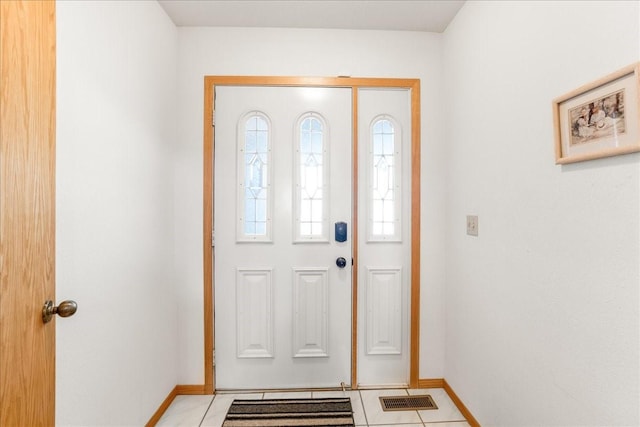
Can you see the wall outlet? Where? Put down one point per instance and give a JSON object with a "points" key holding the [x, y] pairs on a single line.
{"points": [[472, 225]]}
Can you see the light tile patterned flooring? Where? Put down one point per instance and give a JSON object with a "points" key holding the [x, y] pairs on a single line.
{"points": [[209, 411]]}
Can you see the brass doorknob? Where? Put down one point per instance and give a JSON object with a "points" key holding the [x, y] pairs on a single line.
{"points": [[65, 309]]}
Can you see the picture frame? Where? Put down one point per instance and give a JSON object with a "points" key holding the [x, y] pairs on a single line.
{"points": [[599, 119]]}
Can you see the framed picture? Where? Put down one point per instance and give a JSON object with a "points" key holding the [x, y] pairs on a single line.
{"points": [[599, 119]]}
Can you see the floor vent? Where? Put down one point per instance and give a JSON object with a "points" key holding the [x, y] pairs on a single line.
{"points": [[407, 403]]}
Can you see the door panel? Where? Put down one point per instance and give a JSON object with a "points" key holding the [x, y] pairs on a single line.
{"points": [[27, 212], [384, 236], [282, 305]]}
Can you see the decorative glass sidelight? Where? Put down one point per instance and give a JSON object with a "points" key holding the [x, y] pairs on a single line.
{"points": [[254, 178], [311, 179], [385, 178]]}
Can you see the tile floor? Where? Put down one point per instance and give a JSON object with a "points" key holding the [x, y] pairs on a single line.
{"points": [[209, 411]]}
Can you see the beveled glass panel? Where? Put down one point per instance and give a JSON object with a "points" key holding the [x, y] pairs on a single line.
{"points": [[383, 172], [254, 149], [311, 170]]}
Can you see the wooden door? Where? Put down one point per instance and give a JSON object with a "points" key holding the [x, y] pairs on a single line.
{"points": [[27, 212]]}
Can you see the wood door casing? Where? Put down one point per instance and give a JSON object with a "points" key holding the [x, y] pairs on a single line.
{"points": [[27, 211], [210, 83]]}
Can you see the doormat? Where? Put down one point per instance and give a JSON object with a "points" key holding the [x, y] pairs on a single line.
{"points": [[290, 412]]}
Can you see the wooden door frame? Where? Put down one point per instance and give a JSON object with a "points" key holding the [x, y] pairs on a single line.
{"points": [[210, 82]]}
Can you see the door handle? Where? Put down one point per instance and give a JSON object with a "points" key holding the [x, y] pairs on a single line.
{"points": [[65, 309], [341, 262]]}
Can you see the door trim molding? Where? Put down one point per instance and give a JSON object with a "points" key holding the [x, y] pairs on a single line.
{"points": [[210, 82]]}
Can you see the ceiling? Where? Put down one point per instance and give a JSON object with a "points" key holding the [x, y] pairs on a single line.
{"points": [[400, 15]]}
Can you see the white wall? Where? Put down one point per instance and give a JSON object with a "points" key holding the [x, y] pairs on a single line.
{"points": [[116, 87], [541, 308], [229, 51], [542, 324]]}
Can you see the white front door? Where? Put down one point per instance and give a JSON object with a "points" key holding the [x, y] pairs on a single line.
{"points": [[282, 182]]}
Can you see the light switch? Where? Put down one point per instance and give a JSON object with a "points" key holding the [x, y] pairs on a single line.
{"points": [[472, 225]]}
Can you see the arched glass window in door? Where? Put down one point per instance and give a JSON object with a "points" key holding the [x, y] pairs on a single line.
{"points": [[311, 179], [254, 178], [385, 180]]}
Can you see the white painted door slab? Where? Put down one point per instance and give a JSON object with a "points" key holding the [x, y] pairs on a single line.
{"points": [[384, 246], [282, 180]]}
